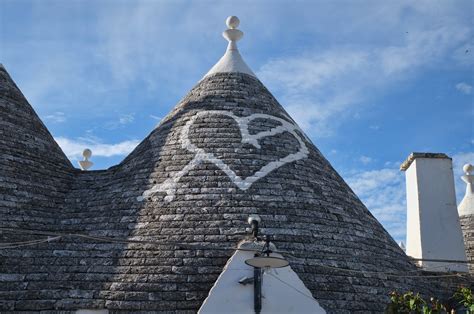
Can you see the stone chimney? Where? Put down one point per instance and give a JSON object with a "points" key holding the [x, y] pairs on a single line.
{"points": [[433, 228], [466, 215]]}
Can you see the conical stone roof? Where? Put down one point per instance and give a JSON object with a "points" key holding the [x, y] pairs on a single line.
{"points": [[226, 151], [32, 166]]}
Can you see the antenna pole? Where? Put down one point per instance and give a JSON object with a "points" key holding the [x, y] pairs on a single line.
{"points": [[257, 289]]}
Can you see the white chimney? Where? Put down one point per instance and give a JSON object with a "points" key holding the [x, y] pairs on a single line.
{"points": [[433, 228]]}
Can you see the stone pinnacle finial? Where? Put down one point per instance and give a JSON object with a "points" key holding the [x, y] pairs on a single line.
{"points": [[232, 22], [231, 61], [467, 169], [86, 163], [466, 207], [232, 34]]}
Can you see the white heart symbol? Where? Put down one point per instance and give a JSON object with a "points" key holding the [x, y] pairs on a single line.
{"points": [[170, 185]]}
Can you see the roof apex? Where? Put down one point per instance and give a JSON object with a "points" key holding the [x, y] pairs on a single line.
{"points": [[231, 61]]}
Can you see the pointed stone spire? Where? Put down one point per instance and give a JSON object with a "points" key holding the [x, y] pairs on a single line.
{"points": [[466, 207], [232, 61], [22, 130]]}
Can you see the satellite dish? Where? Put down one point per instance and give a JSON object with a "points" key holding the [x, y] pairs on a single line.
{"points": [[267, 262]]}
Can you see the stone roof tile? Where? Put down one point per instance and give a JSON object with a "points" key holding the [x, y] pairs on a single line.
{"points": [[227, 150]]}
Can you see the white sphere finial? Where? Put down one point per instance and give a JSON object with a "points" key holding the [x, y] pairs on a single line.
{"points": [[467, 169], [86, 163], [232, 34], [87, 153], [232, 22]]}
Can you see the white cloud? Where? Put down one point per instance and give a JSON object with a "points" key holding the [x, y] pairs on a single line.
{"points": [[320, 88], [367, 181], [315, 88], [73, 148], [365, 160], [164, 45], [422, 47], [158, 119], [383, 192], [122, 120], [464, 88], [126, 118], [57, 117], [155, 47]]}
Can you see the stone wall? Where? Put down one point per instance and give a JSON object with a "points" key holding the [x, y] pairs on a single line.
{"points": [[467, 226]]}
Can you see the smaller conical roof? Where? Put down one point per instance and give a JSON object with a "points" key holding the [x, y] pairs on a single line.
{"points": [[34, 172], [22, 130]]}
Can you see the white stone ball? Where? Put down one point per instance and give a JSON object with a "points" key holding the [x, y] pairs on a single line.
{"points": [[232, 22], [467, 168], [87, 153]]}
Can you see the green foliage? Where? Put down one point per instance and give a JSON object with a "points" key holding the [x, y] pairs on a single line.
{"points": [[464, 296], [413, 303]]}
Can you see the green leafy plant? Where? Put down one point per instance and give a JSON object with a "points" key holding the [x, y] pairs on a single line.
{"points": [[464, 296], [407, 303], [412, 303], [436, 306]]}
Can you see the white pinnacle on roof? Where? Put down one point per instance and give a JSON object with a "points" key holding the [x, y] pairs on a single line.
{"points": [[231, 61], [466, 207], [86, 163]]}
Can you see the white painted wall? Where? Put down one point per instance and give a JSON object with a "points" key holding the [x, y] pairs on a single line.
{"points": [[229, 296], [413, 242], [433, 228]]}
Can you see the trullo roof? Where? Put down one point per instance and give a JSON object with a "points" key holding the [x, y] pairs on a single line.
{"points": [[154, 232]]}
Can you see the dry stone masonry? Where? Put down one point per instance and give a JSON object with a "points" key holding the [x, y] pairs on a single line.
{"points": [[467, 225], [226, 151]]}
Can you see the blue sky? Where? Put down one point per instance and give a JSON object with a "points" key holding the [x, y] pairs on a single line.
{"points": [[369, 81]]}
